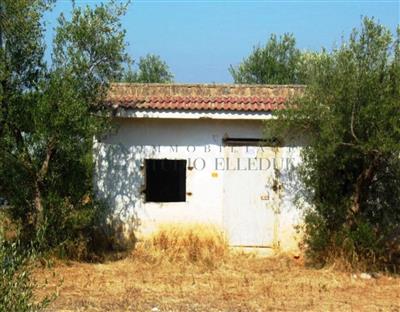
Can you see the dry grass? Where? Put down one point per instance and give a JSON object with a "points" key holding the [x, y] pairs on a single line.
{"points": [[172, 272], [192, 243]]}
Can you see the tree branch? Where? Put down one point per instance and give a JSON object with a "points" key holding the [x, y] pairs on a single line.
{"points": [[25, 164], [352, 123], [45, 165]]}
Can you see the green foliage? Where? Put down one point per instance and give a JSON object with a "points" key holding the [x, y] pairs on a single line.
{"points": [[150, 69], [16, 283], [49, 116], [351, 167], [278, 62]]}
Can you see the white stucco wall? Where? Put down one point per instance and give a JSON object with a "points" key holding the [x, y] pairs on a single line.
{"points": [[120, 171]]}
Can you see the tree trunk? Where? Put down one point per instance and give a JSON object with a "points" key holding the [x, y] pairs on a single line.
{"points": [[38, 217], [364, 180]]}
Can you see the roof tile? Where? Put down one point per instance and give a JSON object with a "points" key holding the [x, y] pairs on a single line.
{"points": [[200, 97]]}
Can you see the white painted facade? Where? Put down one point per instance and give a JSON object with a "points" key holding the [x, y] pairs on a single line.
{"points": [[250, 199]]}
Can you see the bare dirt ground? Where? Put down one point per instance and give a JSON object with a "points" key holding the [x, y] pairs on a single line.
{"points": [[239, 283]]}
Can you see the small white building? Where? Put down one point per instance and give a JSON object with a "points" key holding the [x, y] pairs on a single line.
{"points": [[198, 154]]}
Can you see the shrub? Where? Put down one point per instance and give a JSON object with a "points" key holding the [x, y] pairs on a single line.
{"points": [[16, 284], [86, 233]]}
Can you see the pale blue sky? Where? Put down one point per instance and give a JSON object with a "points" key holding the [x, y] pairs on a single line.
{"points": [[200, 39]]}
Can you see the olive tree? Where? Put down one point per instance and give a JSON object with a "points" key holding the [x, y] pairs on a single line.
{"points": [[278, 62], [351, 167], [50, 114], [150, 69]]}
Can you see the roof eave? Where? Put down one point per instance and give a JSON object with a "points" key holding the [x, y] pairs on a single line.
{"points": [[192, 114]]}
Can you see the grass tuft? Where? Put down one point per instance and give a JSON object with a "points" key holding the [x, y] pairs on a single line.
{"points": [[194, 243]]}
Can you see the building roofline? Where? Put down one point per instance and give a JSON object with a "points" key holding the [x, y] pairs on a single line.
{"points": [[239, 97], [210, 85]]}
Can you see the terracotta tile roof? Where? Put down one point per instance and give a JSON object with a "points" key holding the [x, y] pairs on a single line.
{"points": [[261, 98]]}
